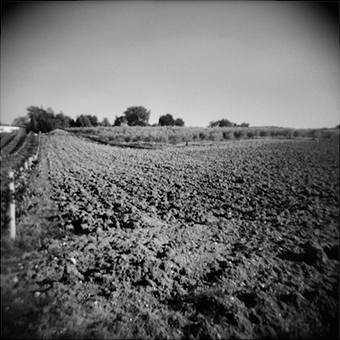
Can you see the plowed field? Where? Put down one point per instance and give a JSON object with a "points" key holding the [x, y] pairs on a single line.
{"points": [[229, 240]]}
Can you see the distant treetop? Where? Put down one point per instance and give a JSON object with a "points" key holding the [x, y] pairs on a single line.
{"points": [[168, 120], [137, 116], [226, 123]]}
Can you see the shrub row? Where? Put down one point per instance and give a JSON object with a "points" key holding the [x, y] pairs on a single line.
{"points": [[174, 135]]}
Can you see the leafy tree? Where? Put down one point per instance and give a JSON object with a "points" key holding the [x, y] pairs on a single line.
{"points": [[120, 121], [93, 120], [86, 121], [166, 120], [105, 122], [83, 121], [244, 125], [33, 123], [137, 115], [41, 120], [46, 121], [222, 123], [33, 113], [63, 121], [179, 122], [73, 123]]}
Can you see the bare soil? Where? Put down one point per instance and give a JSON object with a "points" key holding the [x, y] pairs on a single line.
{"points": [[234, 240]]}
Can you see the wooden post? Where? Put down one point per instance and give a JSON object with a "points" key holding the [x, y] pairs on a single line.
{"points": [[11, 205]]}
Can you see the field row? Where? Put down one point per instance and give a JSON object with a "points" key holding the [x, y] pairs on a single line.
{"points": [[12, 141], [16, 152]]}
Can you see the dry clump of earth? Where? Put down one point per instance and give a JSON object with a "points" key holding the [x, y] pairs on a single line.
{"points": [[232, 240]]}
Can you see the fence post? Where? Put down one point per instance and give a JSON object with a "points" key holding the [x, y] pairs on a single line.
{"points": [[11, 205], [36, 156]]}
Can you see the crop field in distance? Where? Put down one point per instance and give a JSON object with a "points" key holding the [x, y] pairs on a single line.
{"points": [[160, 137], [201, 234]]}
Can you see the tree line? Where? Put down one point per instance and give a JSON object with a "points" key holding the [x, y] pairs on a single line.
{"points": [[40, 120]]}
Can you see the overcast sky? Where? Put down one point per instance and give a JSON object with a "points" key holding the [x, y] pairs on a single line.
{"points": [[265, 63]]}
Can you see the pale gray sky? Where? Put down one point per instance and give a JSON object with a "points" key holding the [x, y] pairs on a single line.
{"points": [[265, 63]]}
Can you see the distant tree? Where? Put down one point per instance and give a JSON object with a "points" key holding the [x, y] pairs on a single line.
{"points": [[119, 121], [41, 120], [225, 122], [33, 114], [93, 120], [46, 121], [83, 121], [244, 125], [166, 120], [73, 123], [221, 123], [137, 115], [34, 124], [179, 122], [105, 122], [62, 121]]}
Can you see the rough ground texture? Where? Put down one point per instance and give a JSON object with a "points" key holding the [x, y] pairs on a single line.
{"points": [[234, 240]]}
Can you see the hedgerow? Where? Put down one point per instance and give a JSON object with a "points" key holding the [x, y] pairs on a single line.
{"points": [[177, 134]]}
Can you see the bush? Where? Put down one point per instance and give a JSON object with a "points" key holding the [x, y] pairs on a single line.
{"points": [[250, 134], [137, 138], [264, 133], [289, 133], [195, 136], [228, 135], [272, 133], [298, 133], [164, 139], [202, 135], [284, 133], [174, 139], [215, 135], [239, 134], [330, 134]]}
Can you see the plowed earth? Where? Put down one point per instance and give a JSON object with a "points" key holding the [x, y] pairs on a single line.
{"points": [[234, 240]]}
